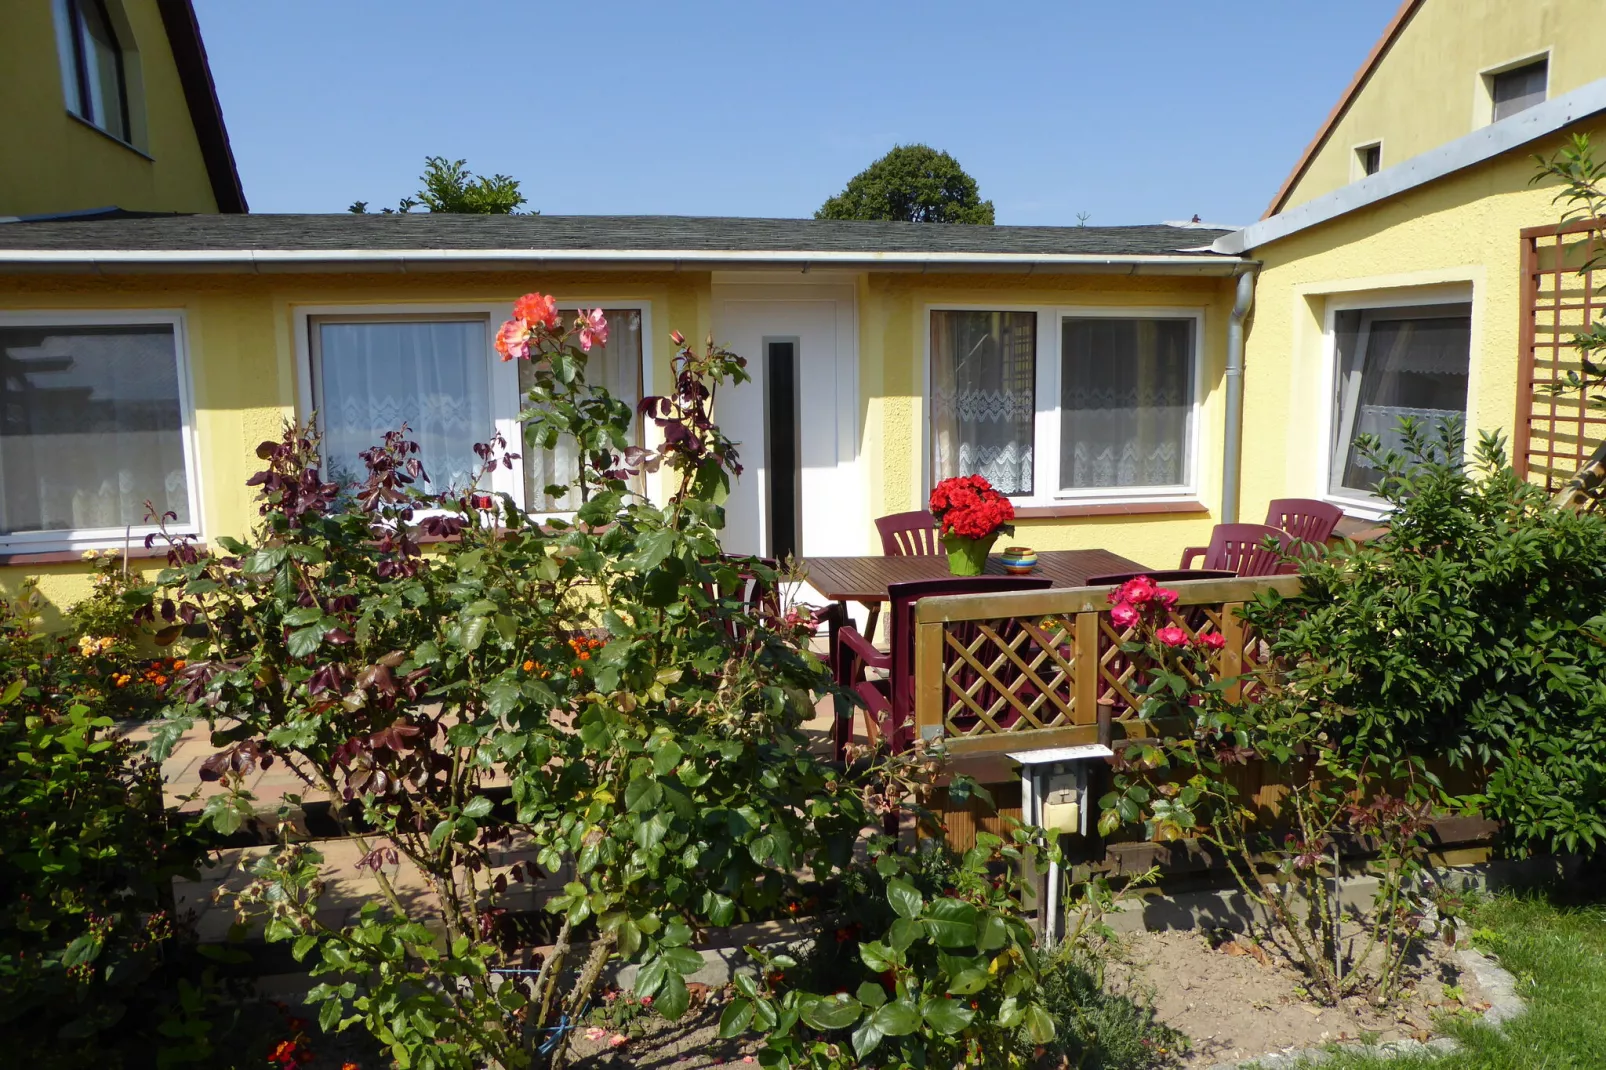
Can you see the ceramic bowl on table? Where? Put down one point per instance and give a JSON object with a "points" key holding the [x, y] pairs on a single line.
{"points": [[1018, 560]]}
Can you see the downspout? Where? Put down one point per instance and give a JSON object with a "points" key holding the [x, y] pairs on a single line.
{"points": [[1232, 453]]}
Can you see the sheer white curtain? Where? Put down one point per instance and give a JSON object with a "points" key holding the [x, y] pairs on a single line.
{"points": [[432, 375], [983, 396], [1126, 397], [616, 367], [90, 427], [1395, 363]]}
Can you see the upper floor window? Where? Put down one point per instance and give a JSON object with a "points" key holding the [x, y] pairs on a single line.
{"points": [[1368, 159], [92, 73], [1518, 89], [93, 430], [1097, 405], [1394, 363]]}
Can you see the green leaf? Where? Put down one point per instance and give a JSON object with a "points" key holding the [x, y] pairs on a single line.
{"points": [[651, 549], [871, 994], [472, 634], [477, 807], [993, 933], [735, 1018], [303, 944], [305, 641], [666, 758], [672, 998], [832, 1012], [952, 923], [905, 900], [896, 1019], [876, 956], [13, 689], [1009, 1013], [1038, 1023], [904, 932], [946, 1016], [641, 794], [683, 959], [966, 982], [866, 1038], [651, 978], [329, 1015]]}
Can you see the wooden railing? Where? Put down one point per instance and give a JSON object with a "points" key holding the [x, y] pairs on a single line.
{"points": [[1033, 669]]}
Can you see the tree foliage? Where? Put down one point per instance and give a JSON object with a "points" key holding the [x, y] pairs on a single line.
{"points": [[449, 186], [912, 184]]}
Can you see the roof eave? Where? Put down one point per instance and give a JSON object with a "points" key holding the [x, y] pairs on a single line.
{"points": [[106, 261], [200, 94], [1481, 145]]}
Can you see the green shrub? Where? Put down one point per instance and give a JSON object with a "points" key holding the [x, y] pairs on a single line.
{"points": [[88, 851], [1473, 632]]}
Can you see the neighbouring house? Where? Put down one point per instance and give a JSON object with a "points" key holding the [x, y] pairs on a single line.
{"points": [[1410, 267], [110, 103], [1100, 375]]}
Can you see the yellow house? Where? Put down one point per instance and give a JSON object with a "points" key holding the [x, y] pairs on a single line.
{"points": [[1410, 267], [110, 104], [1081, 369]]}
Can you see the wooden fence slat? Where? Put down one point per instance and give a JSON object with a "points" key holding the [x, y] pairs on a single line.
{"points": [[928, 682], [1087, 668]]}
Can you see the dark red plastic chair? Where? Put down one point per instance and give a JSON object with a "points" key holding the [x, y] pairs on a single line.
{"points": [[1306, 519], [912, 534], [1173, 575], [1242, 549], [889, 702]]}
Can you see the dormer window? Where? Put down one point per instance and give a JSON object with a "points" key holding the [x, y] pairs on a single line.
{"points": [[92, 71]]}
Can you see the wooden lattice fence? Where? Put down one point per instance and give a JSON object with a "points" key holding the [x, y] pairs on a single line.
{"points": [[1555, 432], [1036, 669]]}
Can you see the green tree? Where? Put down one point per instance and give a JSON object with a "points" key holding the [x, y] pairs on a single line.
{"points": [[449, 186], [914, 184]]}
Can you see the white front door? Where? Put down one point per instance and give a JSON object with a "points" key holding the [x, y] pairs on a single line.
{"points": [[797, 421]]}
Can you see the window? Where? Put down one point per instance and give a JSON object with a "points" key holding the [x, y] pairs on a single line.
{"points": [[437, 372], [373, 375], [1126, 402], [616, 367], [1394, 363], [92, 74], [983, 376], [1519, 88], [1102, 408], [1369, 159], [92, 431]]}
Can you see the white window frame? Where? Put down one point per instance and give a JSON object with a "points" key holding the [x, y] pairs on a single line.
{"points": [[1370, 507], [502, 376], [132, 535], [1046, 488]]}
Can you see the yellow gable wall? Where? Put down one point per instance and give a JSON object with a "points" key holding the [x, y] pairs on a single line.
{"points": [[242, 355], [53, 162], [1428, 90], [1460, 230]]}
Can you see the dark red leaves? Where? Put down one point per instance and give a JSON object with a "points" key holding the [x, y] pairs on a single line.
{"points": [[241, 759]]}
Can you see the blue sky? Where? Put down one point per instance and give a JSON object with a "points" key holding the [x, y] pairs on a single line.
{"points": [[1131, 111]]}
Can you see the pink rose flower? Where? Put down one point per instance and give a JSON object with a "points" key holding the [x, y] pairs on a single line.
{"points": [[1165, 596], [1213, 640], [677, 338], [596, 1032], [1171, 635], [1124, 614], [537, 309], [593, 329], [513, 340], [618, 1040], [1137, 590]]}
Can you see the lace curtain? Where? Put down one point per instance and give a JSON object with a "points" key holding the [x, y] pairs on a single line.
{"points": [[90, 427], [432, 375], [1126, 396], [616, 367], [1393, 364], [983, 396]]}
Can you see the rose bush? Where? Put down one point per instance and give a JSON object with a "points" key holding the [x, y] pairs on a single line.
{"points": [[644, 714]]}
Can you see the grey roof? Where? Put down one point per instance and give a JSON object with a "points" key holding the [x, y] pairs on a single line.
{"points": [[312, 234]]}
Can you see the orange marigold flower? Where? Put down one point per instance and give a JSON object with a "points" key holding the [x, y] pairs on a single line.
{"points": [[178, 663], [529, 666], [585, 655]]}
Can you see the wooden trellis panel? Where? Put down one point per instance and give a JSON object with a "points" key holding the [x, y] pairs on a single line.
{"points": [[1045, 668], [1554, 433]]}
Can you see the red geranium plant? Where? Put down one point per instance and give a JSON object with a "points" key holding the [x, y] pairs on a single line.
{"points": [[969, 506]]}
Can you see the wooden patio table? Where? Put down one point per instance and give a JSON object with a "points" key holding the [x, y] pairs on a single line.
{"points": [[865, 579]]}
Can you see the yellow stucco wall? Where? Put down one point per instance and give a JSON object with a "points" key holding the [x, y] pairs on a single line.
{"points": [[1462, 230], [51, 161], [1428, 90], [243, 359]]}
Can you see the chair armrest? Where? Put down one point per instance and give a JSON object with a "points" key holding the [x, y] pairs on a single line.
{"points": [[863, 649], [1189, 554]]}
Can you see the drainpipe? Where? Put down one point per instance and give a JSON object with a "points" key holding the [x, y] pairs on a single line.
{"points": [[1243, 300]]}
